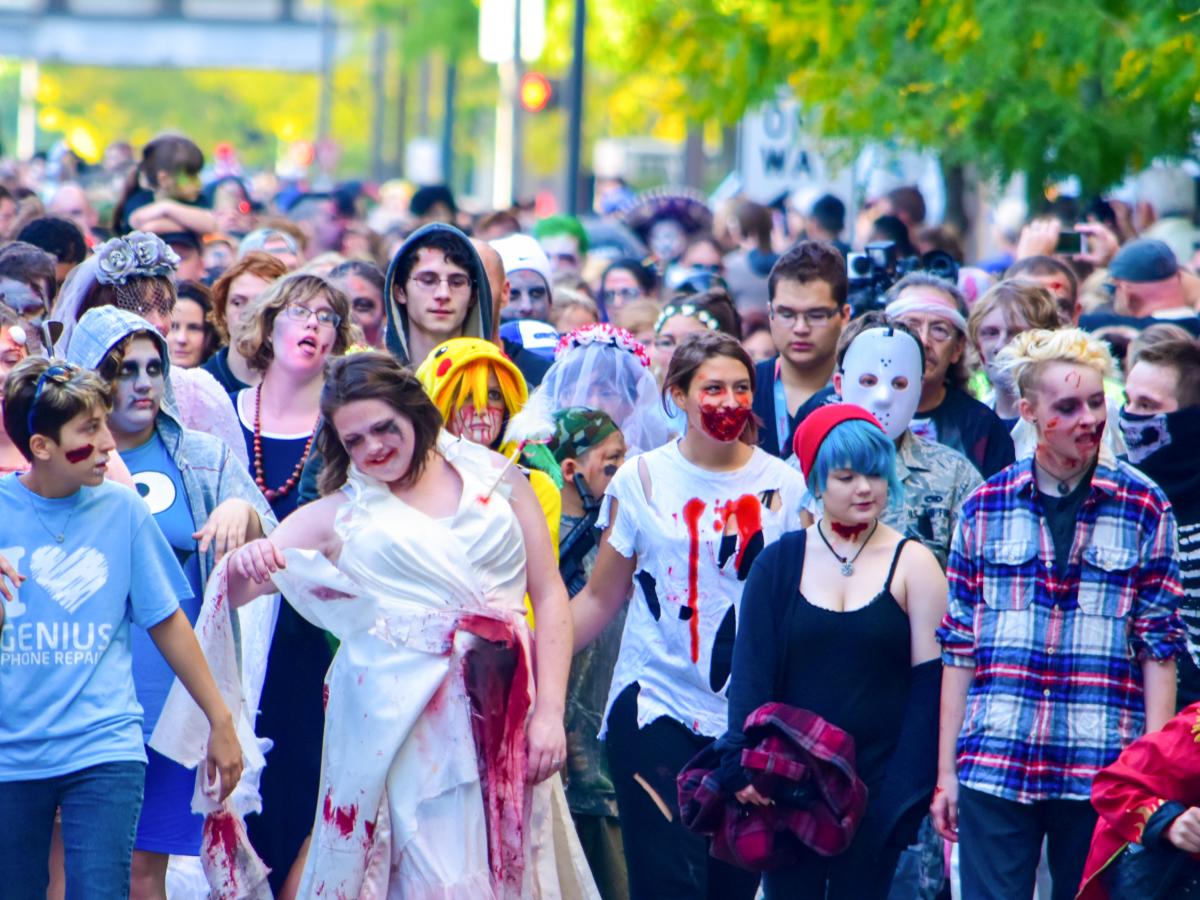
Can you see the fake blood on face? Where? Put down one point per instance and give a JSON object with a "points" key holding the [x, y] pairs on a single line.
{"points": [[79, 454], [692, 511], [725, 423]]}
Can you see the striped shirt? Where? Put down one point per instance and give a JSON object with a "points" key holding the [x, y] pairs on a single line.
{"points": [[1057, 689]]}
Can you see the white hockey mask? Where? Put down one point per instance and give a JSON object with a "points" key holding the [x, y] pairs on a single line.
{"points": [[881, 372]]}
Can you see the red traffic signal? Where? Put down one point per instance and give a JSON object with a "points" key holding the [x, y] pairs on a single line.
{"points": [[535, 92]]}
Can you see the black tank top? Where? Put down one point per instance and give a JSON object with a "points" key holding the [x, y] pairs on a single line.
{"points": [[852, 669]]}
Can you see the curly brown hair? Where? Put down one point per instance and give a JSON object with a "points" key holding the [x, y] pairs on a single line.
{"points": [[257, 263], [253, 336]]}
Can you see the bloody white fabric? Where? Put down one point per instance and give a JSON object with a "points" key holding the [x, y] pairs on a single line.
{"points": [[423, 791], [233, 869]]}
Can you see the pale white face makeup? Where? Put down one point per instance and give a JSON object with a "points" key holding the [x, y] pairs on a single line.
{"points": [[881, 372]]}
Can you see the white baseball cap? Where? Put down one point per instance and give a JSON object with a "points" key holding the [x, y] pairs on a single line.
{"points": [[520, 251]]}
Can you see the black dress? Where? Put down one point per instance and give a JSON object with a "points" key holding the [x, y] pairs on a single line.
{"points": [[851, 668]]}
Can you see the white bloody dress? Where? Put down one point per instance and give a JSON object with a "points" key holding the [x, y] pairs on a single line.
{"points": [[428, 612]]}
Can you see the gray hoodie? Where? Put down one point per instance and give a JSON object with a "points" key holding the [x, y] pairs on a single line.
{"points": [[210, 472], [479, 317]]}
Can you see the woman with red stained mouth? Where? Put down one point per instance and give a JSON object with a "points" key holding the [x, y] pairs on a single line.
{"points": [[840, 619], [685, 522], [287, 334]]}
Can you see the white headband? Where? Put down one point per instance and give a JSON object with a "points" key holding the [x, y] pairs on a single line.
{"points": [[905, 305]]}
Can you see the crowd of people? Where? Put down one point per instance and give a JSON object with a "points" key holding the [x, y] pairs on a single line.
{"points": [[355, 545]]}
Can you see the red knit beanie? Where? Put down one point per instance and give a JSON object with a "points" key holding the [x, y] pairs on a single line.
{"points": [[816, 427]]}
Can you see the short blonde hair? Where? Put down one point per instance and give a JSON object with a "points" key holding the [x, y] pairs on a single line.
{"points": [[1026, 354], [253, 336]]}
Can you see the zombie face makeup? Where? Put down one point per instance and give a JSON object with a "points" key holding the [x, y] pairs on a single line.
{"points": [[1067, 407], [881, 372], [480, 426], [718, 399], [299, 339], [378, 440], [138, 389], [599, 464]]}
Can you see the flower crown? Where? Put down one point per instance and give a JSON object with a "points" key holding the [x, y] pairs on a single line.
{"points": [[136, 255], [603, 334], [692, 311]]}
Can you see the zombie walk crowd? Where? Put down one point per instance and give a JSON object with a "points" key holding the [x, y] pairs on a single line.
{"points": [[353, 545]]}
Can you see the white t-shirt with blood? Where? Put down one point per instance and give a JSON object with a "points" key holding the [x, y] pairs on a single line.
{"points": [[694, 541]]}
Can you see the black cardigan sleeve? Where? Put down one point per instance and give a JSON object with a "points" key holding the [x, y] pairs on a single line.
{"points": [[760, 645]]}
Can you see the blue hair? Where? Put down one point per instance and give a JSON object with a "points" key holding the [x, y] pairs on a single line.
{"points": [[860, 447]]}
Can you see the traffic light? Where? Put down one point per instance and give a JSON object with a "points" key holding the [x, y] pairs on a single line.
{"points": [[537, 92]]}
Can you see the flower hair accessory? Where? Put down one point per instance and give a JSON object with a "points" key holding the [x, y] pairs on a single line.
{"points": [[602, 333], [136, 255], [692, 311]]}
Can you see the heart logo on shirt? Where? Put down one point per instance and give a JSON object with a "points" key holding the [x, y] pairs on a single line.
{"points": [[70, 580]]}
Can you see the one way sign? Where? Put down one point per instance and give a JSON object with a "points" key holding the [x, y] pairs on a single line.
{"points": [[772, 152]]}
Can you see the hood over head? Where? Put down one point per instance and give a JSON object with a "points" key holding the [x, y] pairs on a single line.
{"points": [[478, 323], [101, 329]]}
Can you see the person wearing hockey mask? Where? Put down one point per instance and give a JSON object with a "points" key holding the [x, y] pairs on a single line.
{"points": [[879, 367]]}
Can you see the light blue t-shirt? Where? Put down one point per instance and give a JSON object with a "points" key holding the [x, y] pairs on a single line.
{"points": [[67, 699], [160, 485]]}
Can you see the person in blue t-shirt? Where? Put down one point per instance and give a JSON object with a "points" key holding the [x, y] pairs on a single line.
{"points": [[205, 503], [84, 559]]}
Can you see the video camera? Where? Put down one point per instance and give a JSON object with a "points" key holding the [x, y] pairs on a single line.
{"points": [[878, 267]]}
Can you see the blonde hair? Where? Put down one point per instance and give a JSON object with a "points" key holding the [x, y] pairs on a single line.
{"points": [[470, 383], [1026, 354], [1028, 298], [253, 337]]}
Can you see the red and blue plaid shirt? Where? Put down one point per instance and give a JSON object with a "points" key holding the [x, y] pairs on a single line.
{"points": [[1057, 691]]}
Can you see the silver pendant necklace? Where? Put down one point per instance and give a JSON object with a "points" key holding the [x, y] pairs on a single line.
{"points": [[60, 536], [847, 561]]}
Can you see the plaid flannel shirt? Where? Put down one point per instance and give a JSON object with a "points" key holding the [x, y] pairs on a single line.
{"points": [[1057, 690]]}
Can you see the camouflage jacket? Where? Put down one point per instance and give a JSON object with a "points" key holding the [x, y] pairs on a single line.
{"points": [[936, 481]]}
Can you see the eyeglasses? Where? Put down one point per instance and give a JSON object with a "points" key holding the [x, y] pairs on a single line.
{"points": [[813, 318], [299, 313], [455, 281], [59, 374], [626, 294], [939, 332]]}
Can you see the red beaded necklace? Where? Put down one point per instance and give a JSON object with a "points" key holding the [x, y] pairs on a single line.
{"points": [[273, 494]]}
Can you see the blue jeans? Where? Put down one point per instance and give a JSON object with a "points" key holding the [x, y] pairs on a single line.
{"points": [[100, 807]]}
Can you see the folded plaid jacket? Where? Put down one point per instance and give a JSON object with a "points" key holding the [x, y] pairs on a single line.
{"points": [[788, 749]]}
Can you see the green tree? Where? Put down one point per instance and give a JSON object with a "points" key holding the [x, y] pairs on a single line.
{"points": [[1076, 87]]}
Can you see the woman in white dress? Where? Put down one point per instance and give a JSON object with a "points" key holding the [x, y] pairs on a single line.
{"points": [[418, 557]]}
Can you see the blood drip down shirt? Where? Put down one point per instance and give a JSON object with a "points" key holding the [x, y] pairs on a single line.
{"points": [[694, 539], [66, 685]]}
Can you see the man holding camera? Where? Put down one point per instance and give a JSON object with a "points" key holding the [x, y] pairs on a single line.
{"points": [[936, 311]]}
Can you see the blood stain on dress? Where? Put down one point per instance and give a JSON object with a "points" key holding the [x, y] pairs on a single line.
{"points": [[343, 818], [221, 842], [692, 511]]}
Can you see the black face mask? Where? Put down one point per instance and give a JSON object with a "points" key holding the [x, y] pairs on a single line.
{"points": [[1163, 446]]}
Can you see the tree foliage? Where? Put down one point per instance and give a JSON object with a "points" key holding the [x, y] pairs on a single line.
{"points": [[1075, 87]]}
